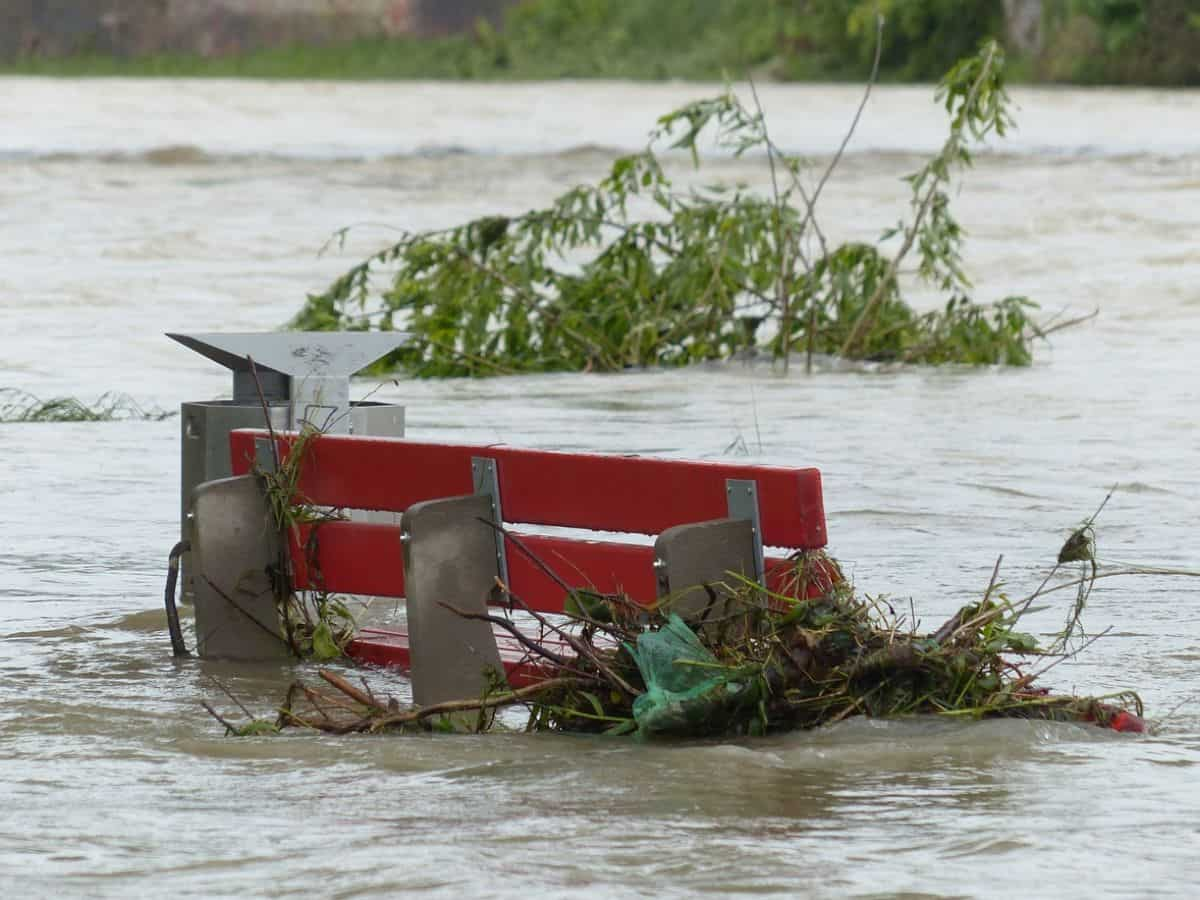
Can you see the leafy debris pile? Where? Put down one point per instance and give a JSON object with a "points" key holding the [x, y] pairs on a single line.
{"points": [[754, 662]]}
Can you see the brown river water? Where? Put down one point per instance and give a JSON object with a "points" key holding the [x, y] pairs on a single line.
{"points": [[131, 208]]}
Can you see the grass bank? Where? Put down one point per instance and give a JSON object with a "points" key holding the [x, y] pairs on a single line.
{"points": [[1082, 41]]}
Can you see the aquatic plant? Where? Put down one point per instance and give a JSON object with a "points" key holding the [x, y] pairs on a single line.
{"points": [[635, 271], [316, 624], [21, 406]]}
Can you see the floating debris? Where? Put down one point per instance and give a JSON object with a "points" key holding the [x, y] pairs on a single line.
{"points": [[21, 406], [771, 662]]}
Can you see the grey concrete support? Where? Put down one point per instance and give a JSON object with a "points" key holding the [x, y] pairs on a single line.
{"points": [[204, 451], [450, 558], [692, 563], [234, 543]]}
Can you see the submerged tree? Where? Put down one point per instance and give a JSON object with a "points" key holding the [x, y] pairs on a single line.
{"points": [[633, 271]]}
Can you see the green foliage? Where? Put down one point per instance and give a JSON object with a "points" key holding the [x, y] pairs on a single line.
{"points": [[923, 37], [318, 625], [255, 728], [663, 39], [1122, 41], [1122, 20], [634, 271], [538, 39], [810, 655], [324, 634], [1149, 41]]}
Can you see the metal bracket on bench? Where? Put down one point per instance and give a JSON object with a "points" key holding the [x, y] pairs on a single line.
{"points": [[264, 455], [742, 498], [487, 482]]}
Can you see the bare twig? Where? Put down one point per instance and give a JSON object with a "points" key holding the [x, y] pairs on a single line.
{"points": [[228, 693], [262, 399], [1069, 323], [571, 640], [224, 596], [936, 178], [347, 688], [987, 595], [229, 727], [810, 211], [1091, 520], [781, 293], [1116, 573], [490, 702], [1061, 657], [511, 627]]}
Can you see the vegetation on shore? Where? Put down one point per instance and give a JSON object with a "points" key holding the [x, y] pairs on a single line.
{"points": [[1083, 41], [636, 271]]}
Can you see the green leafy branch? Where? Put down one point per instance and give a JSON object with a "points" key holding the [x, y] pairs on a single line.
{"points": [[635, 271]]}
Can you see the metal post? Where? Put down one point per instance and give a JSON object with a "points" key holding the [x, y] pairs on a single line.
{"points": [[742, 497]]}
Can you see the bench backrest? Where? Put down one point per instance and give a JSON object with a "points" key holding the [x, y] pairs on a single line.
{"points": [[631, 494]]}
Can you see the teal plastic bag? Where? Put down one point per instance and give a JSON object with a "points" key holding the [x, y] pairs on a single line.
{"points": [[687, 688]]}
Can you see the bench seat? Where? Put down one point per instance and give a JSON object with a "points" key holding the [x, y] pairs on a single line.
{"points": [[388, 648]]}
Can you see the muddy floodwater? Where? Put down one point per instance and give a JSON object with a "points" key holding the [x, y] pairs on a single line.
{"points": [[131, 208]]}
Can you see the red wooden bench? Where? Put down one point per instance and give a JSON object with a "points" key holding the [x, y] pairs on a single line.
{"points": [[606, 493]]}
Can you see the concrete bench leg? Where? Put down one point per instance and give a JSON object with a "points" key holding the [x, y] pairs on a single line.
{"points": [[233, 545], [449, 558], [693, 561]]}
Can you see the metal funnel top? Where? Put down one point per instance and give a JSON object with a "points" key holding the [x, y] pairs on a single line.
{"points": [[297, 354]]}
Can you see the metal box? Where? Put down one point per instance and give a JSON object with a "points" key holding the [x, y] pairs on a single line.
{"points": [[302, 377]]}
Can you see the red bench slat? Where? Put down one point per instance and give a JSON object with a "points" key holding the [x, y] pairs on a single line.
{"points": [[364, 558], [605, 493], [351, 558], [390, 650], [587, 491]]}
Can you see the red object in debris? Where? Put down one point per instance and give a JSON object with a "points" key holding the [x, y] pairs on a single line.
{"points": [[1127, 722]]}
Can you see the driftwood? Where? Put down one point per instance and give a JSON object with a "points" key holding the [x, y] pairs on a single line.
{"points": [[354, 710]]}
